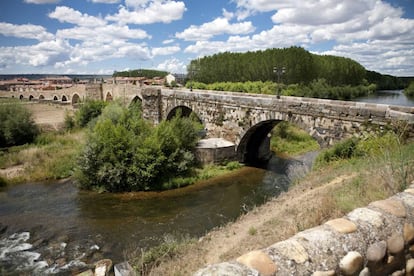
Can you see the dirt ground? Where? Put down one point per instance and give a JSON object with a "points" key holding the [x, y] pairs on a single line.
{"points": [[304, 206], [49, 115]]}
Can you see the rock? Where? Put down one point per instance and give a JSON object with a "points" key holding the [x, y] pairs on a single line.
{"points": [[342, 225], [60, 262], [398, 273], [86, 273], [410, 191], [351, 263], [408, 233], [226, 269], [259, 261], [391, 206], [124, 269], [409, 267], [292, 250], [102, 267], [324, 273], [376, 252], [365, 272], [395, 244], [367, 215]]}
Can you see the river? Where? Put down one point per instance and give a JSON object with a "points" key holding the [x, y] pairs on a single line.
{"points": [[54, 227], [49, 228]]}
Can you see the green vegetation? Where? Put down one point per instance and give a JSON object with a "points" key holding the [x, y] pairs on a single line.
{"points": [[409, 91], [141, 73], [290, 140], [301, 67], [88, 111], [17, 126], [50, 156], [316, 89], [125, 153]]}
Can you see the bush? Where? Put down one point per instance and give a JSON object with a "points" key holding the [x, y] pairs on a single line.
{"points": [[342, 150], [88, 111], [124, 153], [409, 91], [16, 125]]}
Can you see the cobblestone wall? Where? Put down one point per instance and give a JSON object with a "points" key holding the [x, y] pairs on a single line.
{"points": [[374, 240]]}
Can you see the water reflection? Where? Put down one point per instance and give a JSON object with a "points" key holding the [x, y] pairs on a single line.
{"points": [[95, 225], [390, 97]]}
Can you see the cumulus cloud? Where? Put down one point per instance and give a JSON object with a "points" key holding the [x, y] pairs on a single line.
{"points": [[165, 51], [25, 31], [69, 15], [148, 12], [216, 27], [172, 65]]}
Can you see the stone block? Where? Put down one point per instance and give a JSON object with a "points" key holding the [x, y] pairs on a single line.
{"points": [[324, 273], [292, 250], [376, 252], [351, 263], [342, 225], [409, 267], [259, 261], [367, 215], [395, 244], [408, 233], [391, 206]]}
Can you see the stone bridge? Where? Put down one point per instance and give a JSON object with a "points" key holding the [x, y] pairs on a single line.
{"points": [[247, 119], [244, 119]]}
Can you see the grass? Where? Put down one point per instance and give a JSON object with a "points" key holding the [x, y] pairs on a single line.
{"points": [[51, 156], [291, 140], [329, 191]]}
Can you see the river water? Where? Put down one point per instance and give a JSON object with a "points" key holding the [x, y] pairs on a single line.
{"points": [[54, 228]]}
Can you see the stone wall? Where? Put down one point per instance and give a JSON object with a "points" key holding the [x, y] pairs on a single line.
{"points": [[374, 240]]}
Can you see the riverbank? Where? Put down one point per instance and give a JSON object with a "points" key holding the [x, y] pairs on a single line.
{"points": [[322, 195]]}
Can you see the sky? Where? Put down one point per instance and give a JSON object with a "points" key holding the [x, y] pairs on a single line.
{"points": [[103, 36]]}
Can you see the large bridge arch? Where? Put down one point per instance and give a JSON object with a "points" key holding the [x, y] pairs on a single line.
{"points": [[184, 111]]}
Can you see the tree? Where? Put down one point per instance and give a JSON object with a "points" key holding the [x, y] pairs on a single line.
{"points": [[17, 126]]}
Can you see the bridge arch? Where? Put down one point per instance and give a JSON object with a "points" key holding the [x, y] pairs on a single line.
{"points": [[31, 97], [55, 98], [41, 97], [75, 99], [21, 97], [64, 99], [135, 100], [184, 111], [108, 97]]}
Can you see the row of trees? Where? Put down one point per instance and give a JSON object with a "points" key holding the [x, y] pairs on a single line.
{"points": [[147, 73], [123, 152], [300, 67]]}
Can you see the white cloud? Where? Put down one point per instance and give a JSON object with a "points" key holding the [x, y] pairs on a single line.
{"points": [[69, 15], [216, 27], [102, 34], [150, 12], [172, 65], [25, 31], [41, 54], [165, 51], [41, 1], [168, 41]]}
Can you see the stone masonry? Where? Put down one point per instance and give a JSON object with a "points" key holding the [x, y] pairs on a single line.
{"points": [[375, 240]]}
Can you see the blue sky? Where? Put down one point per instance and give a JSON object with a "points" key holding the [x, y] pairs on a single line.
{"points": [[101, 36]]}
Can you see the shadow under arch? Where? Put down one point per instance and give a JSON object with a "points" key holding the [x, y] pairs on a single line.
{"points": [[41, 98], [183, 111], [75, 99], [64, 99], [55, 98], [108, 97], [31, 97], [254, 147]]}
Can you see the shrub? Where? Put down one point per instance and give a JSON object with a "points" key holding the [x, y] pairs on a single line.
{"points": [[16, 125], [342, 150], [409, 91], [124, 153], [88, 111]]}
